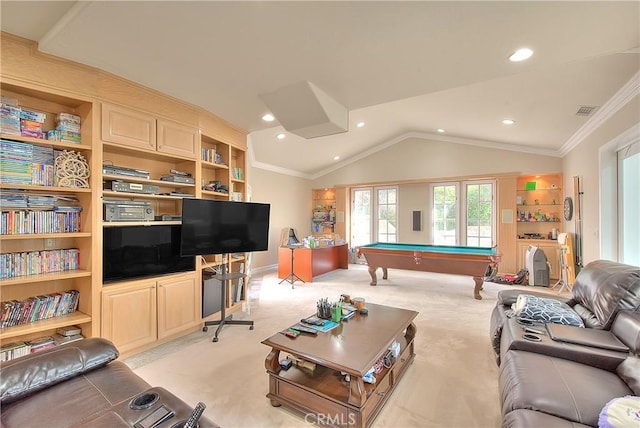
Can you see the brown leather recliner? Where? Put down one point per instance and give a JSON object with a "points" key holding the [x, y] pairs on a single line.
{"points": [[602, 288], [566, 384], [80, 384]]}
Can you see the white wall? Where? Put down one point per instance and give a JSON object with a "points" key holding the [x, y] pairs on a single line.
{"points": [[584, 161]]}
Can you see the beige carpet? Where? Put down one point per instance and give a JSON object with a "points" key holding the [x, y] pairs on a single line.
{"points": [[453, 381]]}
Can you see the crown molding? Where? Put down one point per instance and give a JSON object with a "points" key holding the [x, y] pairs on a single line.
{"points": [[625, 94], [48, 39]]}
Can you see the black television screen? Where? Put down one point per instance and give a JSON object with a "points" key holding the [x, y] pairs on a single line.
{"points": [[138, 251], [219, 227]]}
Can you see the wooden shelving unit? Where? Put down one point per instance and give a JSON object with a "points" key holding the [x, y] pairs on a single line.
{"points": [[52, 102], [123, 124], [539, 210], [323, 205]]}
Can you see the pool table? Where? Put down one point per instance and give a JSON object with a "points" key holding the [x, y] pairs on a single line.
{"points": [[472, 261]]}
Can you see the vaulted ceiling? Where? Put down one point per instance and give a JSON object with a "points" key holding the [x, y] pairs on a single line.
{"points": [[402, 68]]}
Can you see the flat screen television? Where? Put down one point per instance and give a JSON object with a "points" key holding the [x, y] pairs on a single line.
{"points": [[130, 252], [219, 227]]}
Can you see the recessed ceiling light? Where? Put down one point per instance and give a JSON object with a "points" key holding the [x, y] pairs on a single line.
{"points": [[508, 121], [336, 158], [360, 124], [268, 117], [440, 130], [281, 136], [521, 54]]}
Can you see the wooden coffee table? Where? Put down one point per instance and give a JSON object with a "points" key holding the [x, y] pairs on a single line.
{"points": [[323, 396]]}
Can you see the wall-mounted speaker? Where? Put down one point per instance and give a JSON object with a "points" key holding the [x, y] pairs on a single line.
{"points": [[417, 220]]}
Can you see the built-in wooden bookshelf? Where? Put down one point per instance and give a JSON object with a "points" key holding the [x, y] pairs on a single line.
{"points": [[51, 102], [129, 125]]}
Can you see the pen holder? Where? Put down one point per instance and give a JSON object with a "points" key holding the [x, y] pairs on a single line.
{"points": [[324, 312], [336, 313]]}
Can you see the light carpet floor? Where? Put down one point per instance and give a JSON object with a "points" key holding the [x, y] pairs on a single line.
{"points": [[453, 381]]}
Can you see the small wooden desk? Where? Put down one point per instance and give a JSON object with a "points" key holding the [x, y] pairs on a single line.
{"points": [[310, 262]]}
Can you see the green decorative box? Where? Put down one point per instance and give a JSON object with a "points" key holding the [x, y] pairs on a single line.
{"points": [[530, 185]]}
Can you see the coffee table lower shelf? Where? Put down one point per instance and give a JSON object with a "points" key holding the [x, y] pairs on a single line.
{"points": [[323, 397]]}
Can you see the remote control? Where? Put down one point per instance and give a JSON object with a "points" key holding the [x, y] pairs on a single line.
{"points": [[304, 329], [313, 321], [290, 334], [192, 422], [182, 173]]}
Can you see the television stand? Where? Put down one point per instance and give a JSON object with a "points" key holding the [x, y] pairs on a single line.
{"points": [[224, 319]]}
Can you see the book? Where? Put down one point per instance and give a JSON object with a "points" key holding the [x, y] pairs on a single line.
{"points": [[70, 330], [41, 343], [327, 326], [60, 339]]}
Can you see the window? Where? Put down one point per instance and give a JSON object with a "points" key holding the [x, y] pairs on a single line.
{"points": [[445, 214], [361, 217], [618, 160], [629, 204], [474, 228], [479, 214], [383, 225], [387, 204]]}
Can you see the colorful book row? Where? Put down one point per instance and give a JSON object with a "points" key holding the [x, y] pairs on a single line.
{"points": [[38, 262], [17, 312], [29, 222], [237, 173], [14, 350]]}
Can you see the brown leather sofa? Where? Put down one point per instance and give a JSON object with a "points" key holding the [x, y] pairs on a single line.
{"points": [[81, 384], [601, 289], [568, 385]]}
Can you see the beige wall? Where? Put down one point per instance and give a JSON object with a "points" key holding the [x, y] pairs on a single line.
{"points": [[584, 161], [290, 199], [417, 158], [412, 159], [420, 159], [413, 197]]}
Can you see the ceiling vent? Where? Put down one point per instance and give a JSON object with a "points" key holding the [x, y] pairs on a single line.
{"points": [[586, 110], [305, 110]]}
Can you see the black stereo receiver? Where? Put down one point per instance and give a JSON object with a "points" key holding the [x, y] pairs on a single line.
{"points": [[125, 186]]}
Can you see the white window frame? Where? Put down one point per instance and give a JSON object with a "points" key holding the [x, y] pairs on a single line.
{"points": [[376, 206], [625, 235], [608, 165], [456, 184], [463, 208]]}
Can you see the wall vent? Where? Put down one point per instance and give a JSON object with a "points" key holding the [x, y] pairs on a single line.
{"points": [[586, 110]]}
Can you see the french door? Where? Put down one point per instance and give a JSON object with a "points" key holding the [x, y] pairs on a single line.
{"points": [[629, 204], [361, 220], [374, 215]]}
